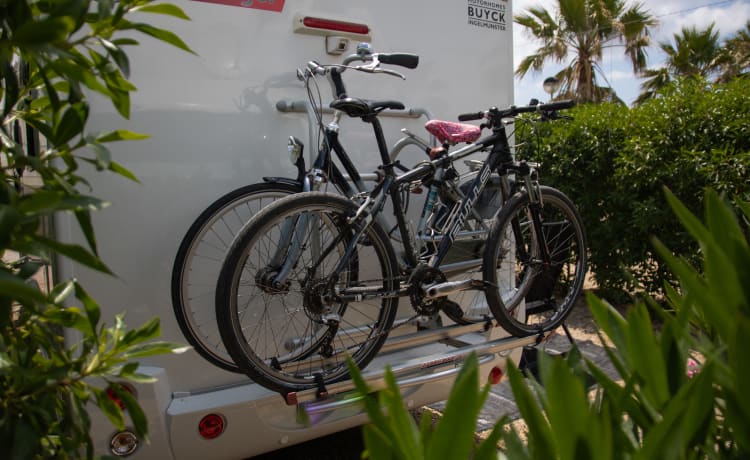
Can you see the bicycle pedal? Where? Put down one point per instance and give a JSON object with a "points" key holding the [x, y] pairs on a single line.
{"points": [[429, 322], [452, 309]]}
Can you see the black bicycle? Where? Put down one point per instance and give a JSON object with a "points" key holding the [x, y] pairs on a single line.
{"points": [[314, 278], [204, 246]]}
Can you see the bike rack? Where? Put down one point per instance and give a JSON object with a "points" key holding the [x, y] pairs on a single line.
{"points": [[316, 402]]}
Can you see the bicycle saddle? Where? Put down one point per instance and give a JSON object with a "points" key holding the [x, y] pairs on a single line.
{"points": [[361, 107], [448, 132]]}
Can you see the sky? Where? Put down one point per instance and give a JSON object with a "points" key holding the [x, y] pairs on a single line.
{"points": [[729, 17]]}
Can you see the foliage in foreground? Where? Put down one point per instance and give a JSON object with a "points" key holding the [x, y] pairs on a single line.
{"points": [[53, 53], [682, 390], [393, 434]]}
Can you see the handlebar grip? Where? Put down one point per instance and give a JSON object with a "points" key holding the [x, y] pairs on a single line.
{"points": [[471, 116], [410, 61], [559, 105]]}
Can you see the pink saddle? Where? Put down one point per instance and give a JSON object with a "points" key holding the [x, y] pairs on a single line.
{"points": [[448, 132]]}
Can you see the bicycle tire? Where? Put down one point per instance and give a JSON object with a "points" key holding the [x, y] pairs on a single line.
{"points": [[198, 261], [518, 278], [277, 334]]}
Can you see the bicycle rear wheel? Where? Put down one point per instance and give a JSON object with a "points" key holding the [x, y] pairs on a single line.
{"points": [[297, 334], [530, 295], [199, 259]]}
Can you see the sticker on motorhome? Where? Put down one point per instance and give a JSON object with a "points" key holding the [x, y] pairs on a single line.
{"points": [[487, 14], [268, 5]]}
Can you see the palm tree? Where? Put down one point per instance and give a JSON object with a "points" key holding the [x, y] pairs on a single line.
{"points": [[734, 59], [578, 32], [696, 54]]}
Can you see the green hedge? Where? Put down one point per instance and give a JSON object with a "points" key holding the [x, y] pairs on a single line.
{"points": [[613, 162]]}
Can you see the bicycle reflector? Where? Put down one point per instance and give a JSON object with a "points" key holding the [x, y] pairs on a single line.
{"points": [[211, 426]]}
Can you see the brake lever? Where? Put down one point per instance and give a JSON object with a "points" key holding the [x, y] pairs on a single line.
{"points": [[389, 72], [375, 69]]}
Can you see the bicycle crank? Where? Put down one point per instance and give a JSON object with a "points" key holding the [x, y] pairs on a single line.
{"points": [[449, 287]]}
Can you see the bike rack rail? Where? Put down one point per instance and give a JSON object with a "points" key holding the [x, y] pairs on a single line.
{"points": [[313, 403]]}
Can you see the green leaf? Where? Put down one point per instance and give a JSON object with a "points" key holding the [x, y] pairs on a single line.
{"points": [[48, 201], [140, 423], [540, 435], [84, 221], [120, 58], [372, 408], [50, 30], [16, 288], [121, 135], [74, 252], [154, 348], [454, 433], [122, 171], [102, 156], [90, 306], [109, 408], [147, 331], [25, 439], [487, 449], [69, 317], [120, 99], [649, 366], [61, 291], [129, 372], [71, 124], [79, 73], [9, 219], [377, 446], [163, 35], [566, 405], [736, 391], [164, 8], [125, 41], [405, 435], [10, 87], [680, 421]]}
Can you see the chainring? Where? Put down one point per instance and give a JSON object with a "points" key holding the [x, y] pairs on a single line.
{"points": [[425, 276]]}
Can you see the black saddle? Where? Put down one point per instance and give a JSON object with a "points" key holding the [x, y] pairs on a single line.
{"points": [[363, 108]]}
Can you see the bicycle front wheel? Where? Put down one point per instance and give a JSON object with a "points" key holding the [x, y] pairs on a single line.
{"points": [[532, 289], [199, 259], [284, 319]]}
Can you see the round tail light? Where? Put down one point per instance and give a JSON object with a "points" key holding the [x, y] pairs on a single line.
{"points": [[211, 426], [495, 376]]}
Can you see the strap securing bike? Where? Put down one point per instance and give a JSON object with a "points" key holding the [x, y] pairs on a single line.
{"points": [[321, 392]]}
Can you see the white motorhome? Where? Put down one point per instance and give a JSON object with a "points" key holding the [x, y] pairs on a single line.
{"points": [[219, 120]]}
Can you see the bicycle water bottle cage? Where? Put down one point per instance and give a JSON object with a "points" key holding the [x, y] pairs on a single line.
{"points": [[362, 108], [448, 132]]}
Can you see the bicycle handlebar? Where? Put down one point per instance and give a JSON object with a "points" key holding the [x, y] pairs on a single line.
{"points": [[410, 61], [513, 110]]}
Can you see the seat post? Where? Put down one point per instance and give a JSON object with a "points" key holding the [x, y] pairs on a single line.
{"points": [[382, 146]]}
